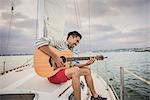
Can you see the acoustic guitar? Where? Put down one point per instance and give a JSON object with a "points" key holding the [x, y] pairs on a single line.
{"points": [[45, 66]]}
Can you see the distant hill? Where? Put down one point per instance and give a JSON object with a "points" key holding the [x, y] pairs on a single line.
{"points": [[14, 54], [145, 49]]}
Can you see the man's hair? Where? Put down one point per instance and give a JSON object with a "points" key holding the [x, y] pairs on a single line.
{"points": [[74, 33]]}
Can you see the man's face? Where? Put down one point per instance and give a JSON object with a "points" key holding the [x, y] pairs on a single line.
{"points": [[73, 41]]}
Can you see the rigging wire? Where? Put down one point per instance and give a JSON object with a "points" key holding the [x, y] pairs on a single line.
{"points": [[78, 21], [10, 26], [8, 35], [89, 22], [37, 22], [77, 14], [45, 21]]}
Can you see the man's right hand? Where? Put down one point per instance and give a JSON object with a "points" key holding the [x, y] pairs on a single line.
{"points": [[51, 53], [59, 62]]}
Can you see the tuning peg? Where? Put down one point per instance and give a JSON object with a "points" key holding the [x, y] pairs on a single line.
{"points": [[105, 57]]}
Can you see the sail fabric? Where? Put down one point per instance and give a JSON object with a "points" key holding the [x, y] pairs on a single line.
{"points": [[51, 18], [40, 19]]}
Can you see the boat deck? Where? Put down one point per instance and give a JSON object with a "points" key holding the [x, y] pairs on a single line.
{"points": [[26, 80]]}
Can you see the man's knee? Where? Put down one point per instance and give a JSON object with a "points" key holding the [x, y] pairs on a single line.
{"points": [[88, 70], [88, 67], [76, 70], [73, 71]]}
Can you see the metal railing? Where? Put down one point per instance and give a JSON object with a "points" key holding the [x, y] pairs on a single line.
{"points": [[122, 70], [121, 83], [4, 70]]}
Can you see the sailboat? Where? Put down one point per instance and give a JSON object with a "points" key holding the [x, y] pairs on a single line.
{"points": [[24, 83]]}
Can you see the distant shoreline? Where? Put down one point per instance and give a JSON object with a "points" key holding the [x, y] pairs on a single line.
{"points": [[145, 49], [14, 54], [92, 51]]}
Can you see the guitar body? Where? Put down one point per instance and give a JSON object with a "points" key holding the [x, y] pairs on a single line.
{"points": [[44, 65]]}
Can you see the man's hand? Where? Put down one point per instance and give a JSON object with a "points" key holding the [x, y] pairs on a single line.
{"points": [[59, 62], [91, 61]]}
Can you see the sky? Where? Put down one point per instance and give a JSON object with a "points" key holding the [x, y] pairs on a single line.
{"points": [[104, 24]]}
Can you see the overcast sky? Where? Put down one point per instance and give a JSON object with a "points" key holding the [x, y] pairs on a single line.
{"points": [[113, 24]]}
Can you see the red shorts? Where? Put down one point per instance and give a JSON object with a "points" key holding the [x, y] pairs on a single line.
{"points": [[59, 77]]}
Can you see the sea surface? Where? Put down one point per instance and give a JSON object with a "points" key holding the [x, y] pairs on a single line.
{"points": [[137, 62], [109, 69]]}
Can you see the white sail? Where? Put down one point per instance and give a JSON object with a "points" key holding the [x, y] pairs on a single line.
{"points": [[51, 18], [40, 19]]}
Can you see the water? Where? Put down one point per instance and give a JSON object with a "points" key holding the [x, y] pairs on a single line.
{"points": [[137, 62]]}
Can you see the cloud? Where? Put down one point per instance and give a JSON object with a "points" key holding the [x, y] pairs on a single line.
{"points": [[16, 41], [102, 28], [19, 20], [6, 4], [83, 8], [129, 12], [94, 8], [23, 26], [117, 39], [113, 24], [134, 6], [128, 5], [16, 16], [28, 24]]}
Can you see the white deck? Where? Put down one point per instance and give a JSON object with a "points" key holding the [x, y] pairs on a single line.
{"points": [[25, 80]]}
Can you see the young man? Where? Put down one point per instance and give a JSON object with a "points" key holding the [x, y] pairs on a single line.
{"points": [[73, 73]]}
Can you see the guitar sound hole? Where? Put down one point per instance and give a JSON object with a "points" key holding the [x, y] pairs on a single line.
{"points": [[63, 59], [53, 64], [50, 61]]}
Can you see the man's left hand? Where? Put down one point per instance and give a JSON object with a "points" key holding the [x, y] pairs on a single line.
{"points": [[91, 61]]}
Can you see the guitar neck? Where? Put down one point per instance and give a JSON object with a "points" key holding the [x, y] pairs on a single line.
{"points": [[78, 58]]}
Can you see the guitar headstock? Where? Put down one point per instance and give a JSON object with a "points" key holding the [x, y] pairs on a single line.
{"points": [[99, 57]]}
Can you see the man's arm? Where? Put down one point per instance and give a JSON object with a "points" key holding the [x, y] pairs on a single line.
{"points": [[55, 57], [44, 43], [48, 51], [91, 61]]}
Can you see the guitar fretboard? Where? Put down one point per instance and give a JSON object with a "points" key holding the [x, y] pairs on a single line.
{"points": [[78, 58]]}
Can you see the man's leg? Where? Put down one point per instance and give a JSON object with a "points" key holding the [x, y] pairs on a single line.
{"points": [[88, 78], [74, 73]]}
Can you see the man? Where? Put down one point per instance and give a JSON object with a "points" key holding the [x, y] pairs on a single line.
{"points": [[73, 73]]}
